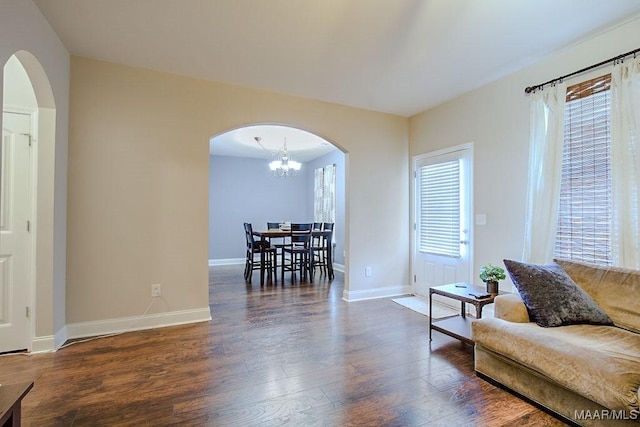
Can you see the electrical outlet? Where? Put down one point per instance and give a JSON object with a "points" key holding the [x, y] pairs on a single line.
{"points": [[367, 271], [156, 290]]}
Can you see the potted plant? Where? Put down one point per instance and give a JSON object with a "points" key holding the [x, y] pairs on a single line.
{"points": [[491, 275]]}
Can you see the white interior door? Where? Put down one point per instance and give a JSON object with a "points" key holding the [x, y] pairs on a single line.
{"points": [[443, 238], [14, 233]]}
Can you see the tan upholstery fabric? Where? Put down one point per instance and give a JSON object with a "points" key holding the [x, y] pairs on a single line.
{"points": [[616, 290], [543, 390], [511, 308], [601, 363]]}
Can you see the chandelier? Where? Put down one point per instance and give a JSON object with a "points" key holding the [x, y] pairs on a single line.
{"points": [[284, 166]]}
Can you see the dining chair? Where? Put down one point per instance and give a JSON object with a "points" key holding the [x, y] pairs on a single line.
{"points": [[315, 240], [255, 247], [299, 251], [320, 249]]}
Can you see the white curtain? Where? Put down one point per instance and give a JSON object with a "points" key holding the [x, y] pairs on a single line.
{"points": [[625, 163], [318, 202], [329, 185], [324, 206], [545, 170]]}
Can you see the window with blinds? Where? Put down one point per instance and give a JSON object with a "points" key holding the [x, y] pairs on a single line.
{"points": [[584, 214], [440, 209]]}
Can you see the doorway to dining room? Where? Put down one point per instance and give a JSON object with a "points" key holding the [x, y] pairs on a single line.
{"points": [[243, 187]]}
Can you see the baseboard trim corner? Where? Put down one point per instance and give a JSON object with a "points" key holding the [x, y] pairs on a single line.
{"points": [[43, 344]]}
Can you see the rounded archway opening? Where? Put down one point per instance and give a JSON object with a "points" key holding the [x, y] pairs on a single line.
{"points": [[28, 97], [243, 187]]}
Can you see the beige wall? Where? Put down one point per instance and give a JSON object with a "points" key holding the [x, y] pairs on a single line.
{"points": [[496, 118], [25, 33], [138, 184], [137, 206]]}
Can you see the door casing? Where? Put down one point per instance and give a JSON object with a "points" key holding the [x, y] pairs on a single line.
{"points": [[30, 200], [467, 149]]}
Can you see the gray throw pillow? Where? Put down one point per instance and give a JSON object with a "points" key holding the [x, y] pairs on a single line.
{"points": [[552, 298]]}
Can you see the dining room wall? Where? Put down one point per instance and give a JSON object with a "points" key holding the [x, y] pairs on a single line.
{"points": [[244, 190], [264, 198]]}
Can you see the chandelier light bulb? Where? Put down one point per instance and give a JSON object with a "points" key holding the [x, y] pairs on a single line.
{"points": [[284, 167]]}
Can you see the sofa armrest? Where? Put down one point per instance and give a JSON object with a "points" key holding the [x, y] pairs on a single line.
{"points": [[510, 307]]}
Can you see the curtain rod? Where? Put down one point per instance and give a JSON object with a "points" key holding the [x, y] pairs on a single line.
{"points": [[530, 89]]}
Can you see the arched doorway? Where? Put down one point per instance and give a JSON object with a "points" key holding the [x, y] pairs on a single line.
{"points": [[239, 164], [26, 206]]}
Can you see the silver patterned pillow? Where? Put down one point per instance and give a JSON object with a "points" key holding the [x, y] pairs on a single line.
{"points": [[552, 298]]}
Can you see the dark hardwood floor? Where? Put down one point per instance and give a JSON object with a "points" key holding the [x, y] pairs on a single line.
{"points": [[293, 355]]}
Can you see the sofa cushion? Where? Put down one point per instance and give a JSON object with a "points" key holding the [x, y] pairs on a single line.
{"points": [[601, 363], [614, 289], [552, 298], [511, 308]]}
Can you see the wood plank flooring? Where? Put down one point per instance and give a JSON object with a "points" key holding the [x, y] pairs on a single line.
{"points": [[295, 355]]}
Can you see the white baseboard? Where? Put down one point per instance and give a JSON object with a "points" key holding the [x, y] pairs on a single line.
{"points": [[60, 337], [134, 323], [43, 344], [386, 292], [228, 261], [338, 267], [50, 343]]}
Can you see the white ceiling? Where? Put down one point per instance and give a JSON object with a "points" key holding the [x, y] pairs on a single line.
{"points": [[302, 146], [394, 56]]}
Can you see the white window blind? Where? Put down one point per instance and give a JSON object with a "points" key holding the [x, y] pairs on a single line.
{"points": [[440, 209], [584, 213]]}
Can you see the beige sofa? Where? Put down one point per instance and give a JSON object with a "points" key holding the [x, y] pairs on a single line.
{"points": [[587, 374]]}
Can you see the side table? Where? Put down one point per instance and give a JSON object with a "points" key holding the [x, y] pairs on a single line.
{"points": [[458, 327], [11, 396]]}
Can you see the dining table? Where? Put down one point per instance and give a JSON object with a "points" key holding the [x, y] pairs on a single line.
{"points": [[267, 235]]}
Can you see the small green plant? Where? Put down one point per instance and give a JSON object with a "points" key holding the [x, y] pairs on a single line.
{"points": [[492, 273]]}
